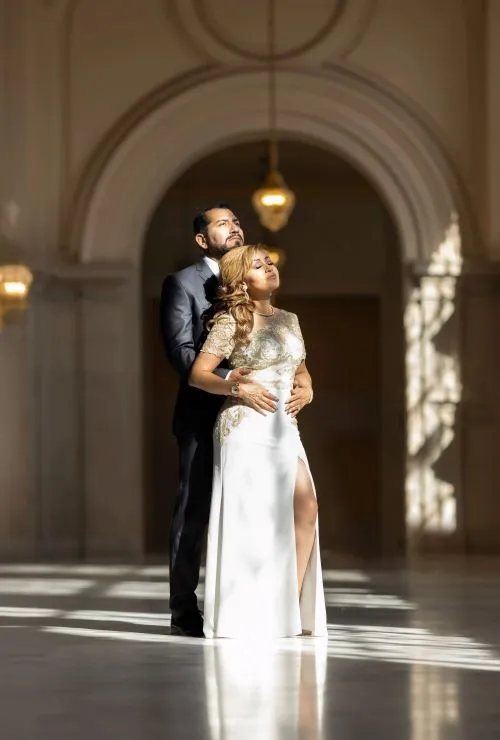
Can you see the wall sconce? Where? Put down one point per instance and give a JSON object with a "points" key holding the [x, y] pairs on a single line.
{"points": [[15, 283], [15, 277]]}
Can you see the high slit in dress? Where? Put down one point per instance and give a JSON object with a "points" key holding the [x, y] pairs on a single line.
{"points": [[251, 569]]}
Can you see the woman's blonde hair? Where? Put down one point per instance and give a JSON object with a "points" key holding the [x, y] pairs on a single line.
{"points": [[232, 295]]}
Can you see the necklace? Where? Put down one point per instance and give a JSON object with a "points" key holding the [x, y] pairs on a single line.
{"points": [[266, 315]]}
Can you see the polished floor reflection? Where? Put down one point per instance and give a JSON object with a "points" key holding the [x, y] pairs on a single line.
{"points": [[411, 655]]}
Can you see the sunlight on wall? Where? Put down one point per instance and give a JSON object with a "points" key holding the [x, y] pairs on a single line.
{"points": [[433, 390]]}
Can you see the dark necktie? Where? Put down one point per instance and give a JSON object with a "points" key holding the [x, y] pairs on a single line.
{"points": [[211, 286]]}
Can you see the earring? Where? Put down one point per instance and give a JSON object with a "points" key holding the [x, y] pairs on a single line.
{"points": [[245, 289]]}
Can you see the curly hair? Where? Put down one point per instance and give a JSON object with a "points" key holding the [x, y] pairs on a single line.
{"points": [[232, 296]]}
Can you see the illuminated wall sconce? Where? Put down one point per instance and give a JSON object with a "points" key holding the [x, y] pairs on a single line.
{"points": [[15, 277], [15, 283]]}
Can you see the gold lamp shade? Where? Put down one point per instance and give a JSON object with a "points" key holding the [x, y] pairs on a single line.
{"points": [[274, 202]]}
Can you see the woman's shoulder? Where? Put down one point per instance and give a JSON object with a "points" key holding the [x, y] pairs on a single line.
{"points": [[287, 316], [225, 319]]}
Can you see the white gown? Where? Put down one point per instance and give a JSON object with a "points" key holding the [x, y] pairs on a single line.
{"points": [[251, 569]]}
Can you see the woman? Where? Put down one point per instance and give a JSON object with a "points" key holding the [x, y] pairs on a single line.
{"points": [[263, 572]]}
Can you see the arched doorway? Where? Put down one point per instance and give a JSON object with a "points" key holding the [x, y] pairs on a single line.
{"points": [[342, 275], [339, 111]]}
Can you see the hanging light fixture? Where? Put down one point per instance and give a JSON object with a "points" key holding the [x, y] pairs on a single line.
{"points": [[274, 201]]}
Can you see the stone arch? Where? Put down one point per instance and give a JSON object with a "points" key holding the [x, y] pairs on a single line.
{"points": [[127, 177], [338, 110]]}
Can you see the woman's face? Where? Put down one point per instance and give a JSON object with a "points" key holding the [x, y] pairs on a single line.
{"points": [[263, 277]]}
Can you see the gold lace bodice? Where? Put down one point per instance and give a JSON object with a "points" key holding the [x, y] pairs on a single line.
{"points": [[273, 353]]}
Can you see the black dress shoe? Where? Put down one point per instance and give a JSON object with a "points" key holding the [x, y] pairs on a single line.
{"points": [[187, 625]]}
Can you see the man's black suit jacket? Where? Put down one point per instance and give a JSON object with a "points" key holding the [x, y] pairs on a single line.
{"points": [[186, 302]]}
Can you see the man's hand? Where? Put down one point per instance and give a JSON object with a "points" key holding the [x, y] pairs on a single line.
{"points": [[253, 394], [300, 396], [238, 374]]}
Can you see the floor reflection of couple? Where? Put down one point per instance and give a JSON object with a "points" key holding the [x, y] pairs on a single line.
{"points": [[241, 389], [255, 692]]}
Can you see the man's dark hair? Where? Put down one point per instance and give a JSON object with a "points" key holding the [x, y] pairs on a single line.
{"points": [[200, 221]]}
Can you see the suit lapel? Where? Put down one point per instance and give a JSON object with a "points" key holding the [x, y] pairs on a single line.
{"points": [[204, 270]]}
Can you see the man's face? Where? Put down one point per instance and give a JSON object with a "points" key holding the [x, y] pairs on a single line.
{"points": [[223, 233]]}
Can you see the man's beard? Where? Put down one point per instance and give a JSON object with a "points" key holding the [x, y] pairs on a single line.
{"points": [[220, 251]]}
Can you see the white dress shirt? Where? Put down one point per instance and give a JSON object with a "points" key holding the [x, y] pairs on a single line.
{"points": [[213, 264]]}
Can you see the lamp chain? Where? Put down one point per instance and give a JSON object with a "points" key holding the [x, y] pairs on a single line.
{"points": [[273, 136]]}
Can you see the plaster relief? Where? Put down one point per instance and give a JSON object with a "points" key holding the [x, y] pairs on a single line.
{"points": [[308, 32]]}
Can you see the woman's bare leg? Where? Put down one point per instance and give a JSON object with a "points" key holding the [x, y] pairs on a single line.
{"points": [[305, 508]]}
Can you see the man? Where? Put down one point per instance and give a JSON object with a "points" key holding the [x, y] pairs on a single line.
{"points": [[186, 300]]}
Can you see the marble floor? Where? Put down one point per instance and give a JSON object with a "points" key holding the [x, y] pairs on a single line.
{"points": [[85, 652]]}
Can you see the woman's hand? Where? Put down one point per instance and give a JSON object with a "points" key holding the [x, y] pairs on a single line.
{"points": [[255, 395]]}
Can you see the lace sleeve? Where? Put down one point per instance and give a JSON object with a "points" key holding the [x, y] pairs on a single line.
{"points": [[220, 340], [298, 333]]}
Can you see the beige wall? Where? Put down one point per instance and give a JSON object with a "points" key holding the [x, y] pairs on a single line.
{"points": [[425, 60], [493, 128], [17, 520], [481, 418]]}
